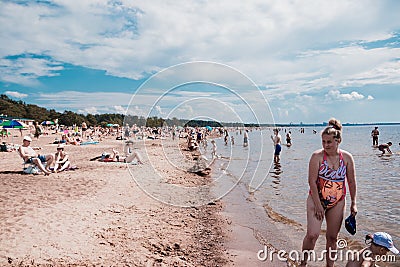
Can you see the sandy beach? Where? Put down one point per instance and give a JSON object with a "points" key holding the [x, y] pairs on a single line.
{"points": [[117, 214], [98, 216]]}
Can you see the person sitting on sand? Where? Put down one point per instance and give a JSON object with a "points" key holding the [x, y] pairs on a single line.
{"points": [[131, 157], [379, 245], [382, 147], [30, 156], [5, 148], [71, 140], [62, 159], [192, 145]]}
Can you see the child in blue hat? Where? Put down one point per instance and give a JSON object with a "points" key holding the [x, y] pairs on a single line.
{"points": [[380, 244]]}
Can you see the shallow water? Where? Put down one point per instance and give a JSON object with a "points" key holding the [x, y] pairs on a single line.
{"points": [[285, 187]]}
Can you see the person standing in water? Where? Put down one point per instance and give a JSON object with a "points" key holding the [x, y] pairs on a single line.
{"points": [[276, 138], [289, 138], [246, 138], [328, 169], [375, 135]]}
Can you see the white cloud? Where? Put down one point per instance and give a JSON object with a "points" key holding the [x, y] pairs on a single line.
{"points": [[336, 95], [159, 110], [370, 97], [93, 102], [281, 45], [261, 38], [25, 71], [15, 94], [91, 110], [119, 109]]}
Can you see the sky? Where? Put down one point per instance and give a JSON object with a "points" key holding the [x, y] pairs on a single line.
{"points": [[286, 61]]}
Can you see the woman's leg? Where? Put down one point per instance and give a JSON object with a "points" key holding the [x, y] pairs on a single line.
{"points": [[65, 165], [134, 155], [313, 230], [334, 218], [49, 161]]}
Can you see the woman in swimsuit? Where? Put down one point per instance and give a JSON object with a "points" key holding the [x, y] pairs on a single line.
{"points": [[62, 159], [328, 169]]}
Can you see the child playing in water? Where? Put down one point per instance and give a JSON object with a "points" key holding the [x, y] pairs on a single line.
{"points": [[382, 148], [380, 244]]}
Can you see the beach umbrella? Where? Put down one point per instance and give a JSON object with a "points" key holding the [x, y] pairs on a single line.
{"points": [[47, 123], [110, 125], [13, 124], [209, 128]]}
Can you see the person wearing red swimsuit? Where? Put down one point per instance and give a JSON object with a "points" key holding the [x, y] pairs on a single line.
{"points": [[329, 167]]}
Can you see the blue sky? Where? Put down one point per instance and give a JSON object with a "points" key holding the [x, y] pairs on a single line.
{"points": [[283, 61]]}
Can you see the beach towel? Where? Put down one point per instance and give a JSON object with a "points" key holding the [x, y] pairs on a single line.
{"points": [[89, 143]]}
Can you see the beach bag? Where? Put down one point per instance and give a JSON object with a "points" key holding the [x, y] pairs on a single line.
{"points": [[31, 170]]}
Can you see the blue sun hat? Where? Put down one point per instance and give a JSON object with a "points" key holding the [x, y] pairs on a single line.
{"points": [[351, 224], [385, 240]]}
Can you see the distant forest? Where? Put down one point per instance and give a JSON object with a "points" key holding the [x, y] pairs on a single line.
{"points": [[19, 109]]}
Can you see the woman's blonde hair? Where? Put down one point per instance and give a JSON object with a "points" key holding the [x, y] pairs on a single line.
{"points": [[334, 128]]}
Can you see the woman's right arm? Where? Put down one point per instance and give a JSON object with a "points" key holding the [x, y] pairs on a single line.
{"points": [[313, 168]]}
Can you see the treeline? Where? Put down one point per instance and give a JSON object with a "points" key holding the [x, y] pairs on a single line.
{"points": [[19, 109]]}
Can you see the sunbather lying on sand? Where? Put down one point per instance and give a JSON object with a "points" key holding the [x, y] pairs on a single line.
{"points": [[116, 157]]}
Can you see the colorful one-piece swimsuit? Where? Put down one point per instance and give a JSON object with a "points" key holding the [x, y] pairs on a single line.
{"points": [[331, 183]]}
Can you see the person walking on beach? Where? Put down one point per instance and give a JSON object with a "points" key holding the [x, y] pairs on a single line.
{"points": [[289, 138], [214, 149], [276, 138], [127, 131], [379, 245], [327, 171], [375, 135], [84, 128], [246, 138], [38, 130]]}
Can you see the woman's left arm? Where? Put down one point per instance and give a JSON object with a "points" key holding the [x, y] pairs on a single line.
{"points": [[351, 181]]}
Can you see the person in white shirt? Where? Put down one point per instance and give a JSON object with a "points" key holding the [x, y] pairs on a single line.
{"points": [[31, 156]]}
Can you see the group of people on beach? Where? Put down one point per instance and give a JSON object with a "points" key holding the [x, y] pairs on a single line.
{"points": [[43, 162]]}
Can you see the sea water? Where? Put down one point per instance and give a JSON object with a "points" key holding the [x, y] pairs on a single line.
{"points": [[285, 187]]}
